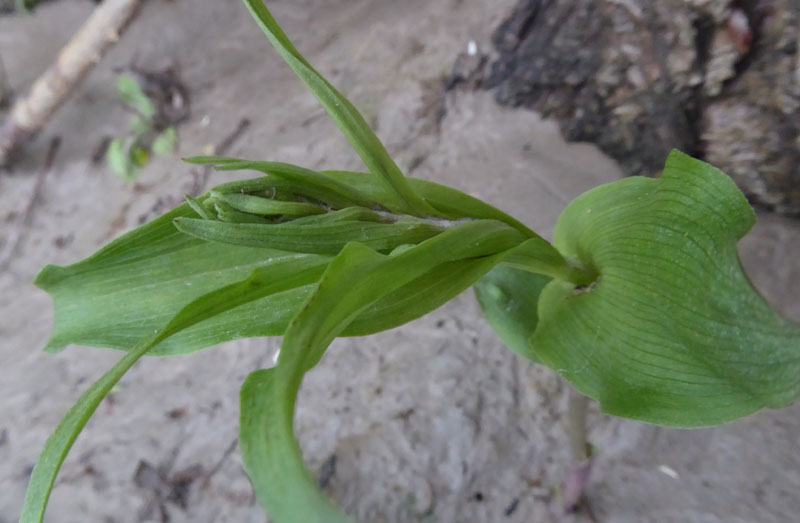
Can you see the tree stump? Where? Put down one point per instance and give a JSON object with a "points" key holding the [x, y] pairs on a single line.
{"points": [[718, 79]]}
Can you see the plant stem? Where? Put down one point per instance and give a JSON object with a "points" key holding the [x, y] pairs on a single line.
{"points": [[577, 406], [577, 476]]}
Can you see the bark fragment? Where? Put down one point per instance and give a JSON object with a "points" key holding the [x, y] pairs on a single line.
{"points": [[718, 79]]}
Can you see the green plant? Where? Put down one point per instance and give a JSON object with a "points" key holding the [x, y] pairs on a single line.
{"points": [[640, 302], [148, 135]]}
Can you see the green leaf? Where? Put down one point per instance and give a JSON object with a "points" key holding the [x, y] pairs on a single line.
{"points": [[317, 238], [356, 278], [671, 332], [118, 157], [131, 288], [166, 142], [538, 256], [509, 299], [134, 285], [355, 188], [346, 116], [139, 156], [416, 299], [282, 485], [133, 96], [266, 207], [296, 179], [264, 281], [452, 203]]}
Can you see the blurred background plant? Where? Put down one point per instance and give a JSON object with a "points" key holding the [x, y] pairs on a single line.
{"points": [[158, 102], [7, 6]]}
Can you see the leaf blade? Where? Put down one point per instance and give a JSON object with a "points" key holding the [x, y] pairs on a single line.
{"points": [[672, 332], [321, 238], [356, 278], [286, 275], [132, 287], [346, 116]]}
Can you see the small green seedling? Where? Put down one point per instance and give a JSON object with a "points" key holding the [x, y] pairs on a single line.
{"points": [[640, 302], [126, 156]]}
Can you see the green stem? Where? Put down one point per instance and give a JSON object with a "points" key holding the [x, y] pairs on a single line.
{"points": [[539, 256], [577, 407], [576, 479]]}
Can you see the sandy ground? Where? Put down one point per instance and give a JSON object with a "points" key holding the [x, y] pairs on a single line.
{"points": [[433, 422]]}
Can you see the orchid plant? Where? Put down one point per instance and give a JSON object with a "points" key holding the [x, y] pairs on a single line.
{"points": [[640, 301]]}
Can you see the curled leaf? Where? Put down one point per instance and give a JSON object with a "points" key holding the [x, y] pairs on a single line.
{"points": [[671, 331], [355, 279]]}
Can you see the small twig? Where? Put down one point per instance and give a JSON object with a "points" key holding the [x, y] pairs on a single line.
{"points": [[22, 218], [5, 90], [201, 176], [31, 113], [100, 150], [218, 465]]}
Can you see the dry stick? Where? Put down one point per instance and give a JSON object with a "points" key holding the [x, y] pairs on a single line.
{"points": [[5, 91], [201, 178], [32, 112], [22, 218], [218, 465]]}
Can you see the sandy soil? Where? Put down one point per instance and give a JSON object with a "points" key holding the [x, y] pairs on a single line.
{"points": [[433, 422]]}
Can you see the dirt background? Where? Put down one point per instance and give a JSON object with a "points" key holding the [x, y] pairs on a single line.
{"points": [[432, 422]]}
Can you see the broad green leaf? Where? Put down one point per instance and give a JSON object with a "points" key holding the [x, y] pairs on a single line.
{"points": [[509, 299], [134, 285], [278, 277], [671, 332], [346, 116], [356, 278]]}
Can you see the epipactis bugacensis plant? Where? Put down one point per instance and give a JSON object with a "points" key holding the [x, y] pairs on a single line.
{"points": [[640, 302]]}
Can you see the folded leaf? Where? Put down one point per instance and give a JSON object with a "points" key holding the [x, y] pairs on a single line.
{"points": [[278, 277], [449, 202], [452, 203], [356, 278], [321, 238], [266, 207], [671, 332], [293, 174]]}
